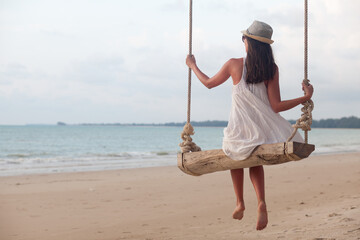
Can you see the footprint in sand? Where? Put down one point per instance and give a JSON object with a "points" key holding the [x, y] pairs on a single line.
{"points": [[347, 220], [354, 230], [324, 239], [127, 199], [334, 215]]}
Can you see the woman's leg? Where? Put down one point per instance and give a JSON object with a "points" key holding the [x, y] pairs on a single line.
{"points": [[258, 180], [237, 176]]}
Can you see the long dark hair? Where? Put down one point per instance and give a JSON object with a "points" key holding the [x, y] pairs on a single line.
{"points": [[260, 63]]}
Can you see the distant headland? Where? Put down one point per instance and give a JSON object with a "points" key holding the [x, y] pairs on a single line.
{"points": [[345, 122]]}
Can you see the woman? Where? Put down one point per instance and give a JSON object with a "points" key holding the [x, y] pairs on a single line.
{"points": [[254, 118]]}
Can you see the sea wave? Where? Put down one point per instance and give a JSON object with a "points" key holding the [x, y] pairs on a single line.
{"points": [[336, 148], [88, 162]]}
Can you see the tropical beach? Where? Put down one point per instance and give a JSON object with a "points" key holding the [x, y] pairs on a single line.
{"points": [[93, 107], [316, 198]]}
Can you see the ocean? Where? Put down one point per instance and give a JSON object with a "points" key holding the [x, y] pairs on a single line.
{"points": [[74, 148]]}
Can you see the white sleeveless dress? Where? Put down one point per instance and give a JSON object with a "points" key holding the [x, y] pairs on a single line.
{"points": [[252, 121]]}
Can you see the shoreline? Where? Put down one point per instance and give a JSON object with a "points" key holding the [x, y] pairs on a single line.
{"points": [[309, 199], [314, 154]]}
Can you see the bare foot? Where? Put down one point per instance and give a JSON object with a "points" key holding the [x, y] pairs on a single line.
{"points": [[239, 212], [262, 216]]}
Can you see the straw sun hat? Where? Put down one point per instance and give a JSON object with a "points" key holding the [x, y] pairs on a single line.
{"points": [[259, 31]]}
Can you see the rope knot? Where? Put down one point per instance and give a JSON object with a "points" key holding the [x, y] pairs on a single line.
{"points": [[305, 121], [188, 145]]}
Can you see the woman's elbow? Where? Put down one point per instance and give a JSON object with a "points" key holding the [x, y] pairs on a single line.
{"points": [[208, 85], [276, 109]]}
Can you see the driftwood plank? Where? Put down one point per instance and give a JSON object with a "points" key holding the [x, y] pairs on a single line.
{"points": [[198, 163]]}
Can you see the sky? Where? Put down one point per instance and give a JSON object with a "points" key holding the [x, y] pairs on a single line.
{"points": [[116, 61]]}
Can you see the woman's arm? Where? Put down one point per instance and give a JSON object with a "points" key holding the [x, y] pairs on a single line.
{"points": [[214, 81], [277, 105]]}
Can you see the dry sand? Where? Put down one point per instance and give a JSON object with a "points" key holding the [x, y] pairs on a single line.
{"points": [[316, 198]]}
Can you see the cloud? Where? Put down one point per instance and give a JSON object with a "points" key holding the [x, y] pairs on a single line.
{"points": [[11, 72], [139, 41], [98, 70], [174, 6]]}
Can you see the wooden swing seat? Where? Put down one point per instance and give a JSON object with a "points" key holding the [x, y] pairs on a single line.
{"points": [[199, 163]]}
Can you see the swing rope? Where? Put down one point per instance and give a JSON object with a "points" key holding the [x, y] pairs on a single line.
{"points": [[305, 121], [188, 145]]}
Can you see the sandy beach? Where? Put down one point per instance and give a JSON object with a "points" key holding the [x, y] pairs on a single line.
{"points": [[316, 198]]}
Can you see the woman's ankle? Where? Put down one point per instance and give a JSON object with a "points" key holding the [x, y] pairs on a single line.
{"points": [[240, 205], [262, 205]]}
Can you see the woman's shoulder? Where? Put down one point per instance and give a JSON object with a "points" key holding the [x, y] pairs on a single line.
{"points": [[236, 63], [236, 66]]}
